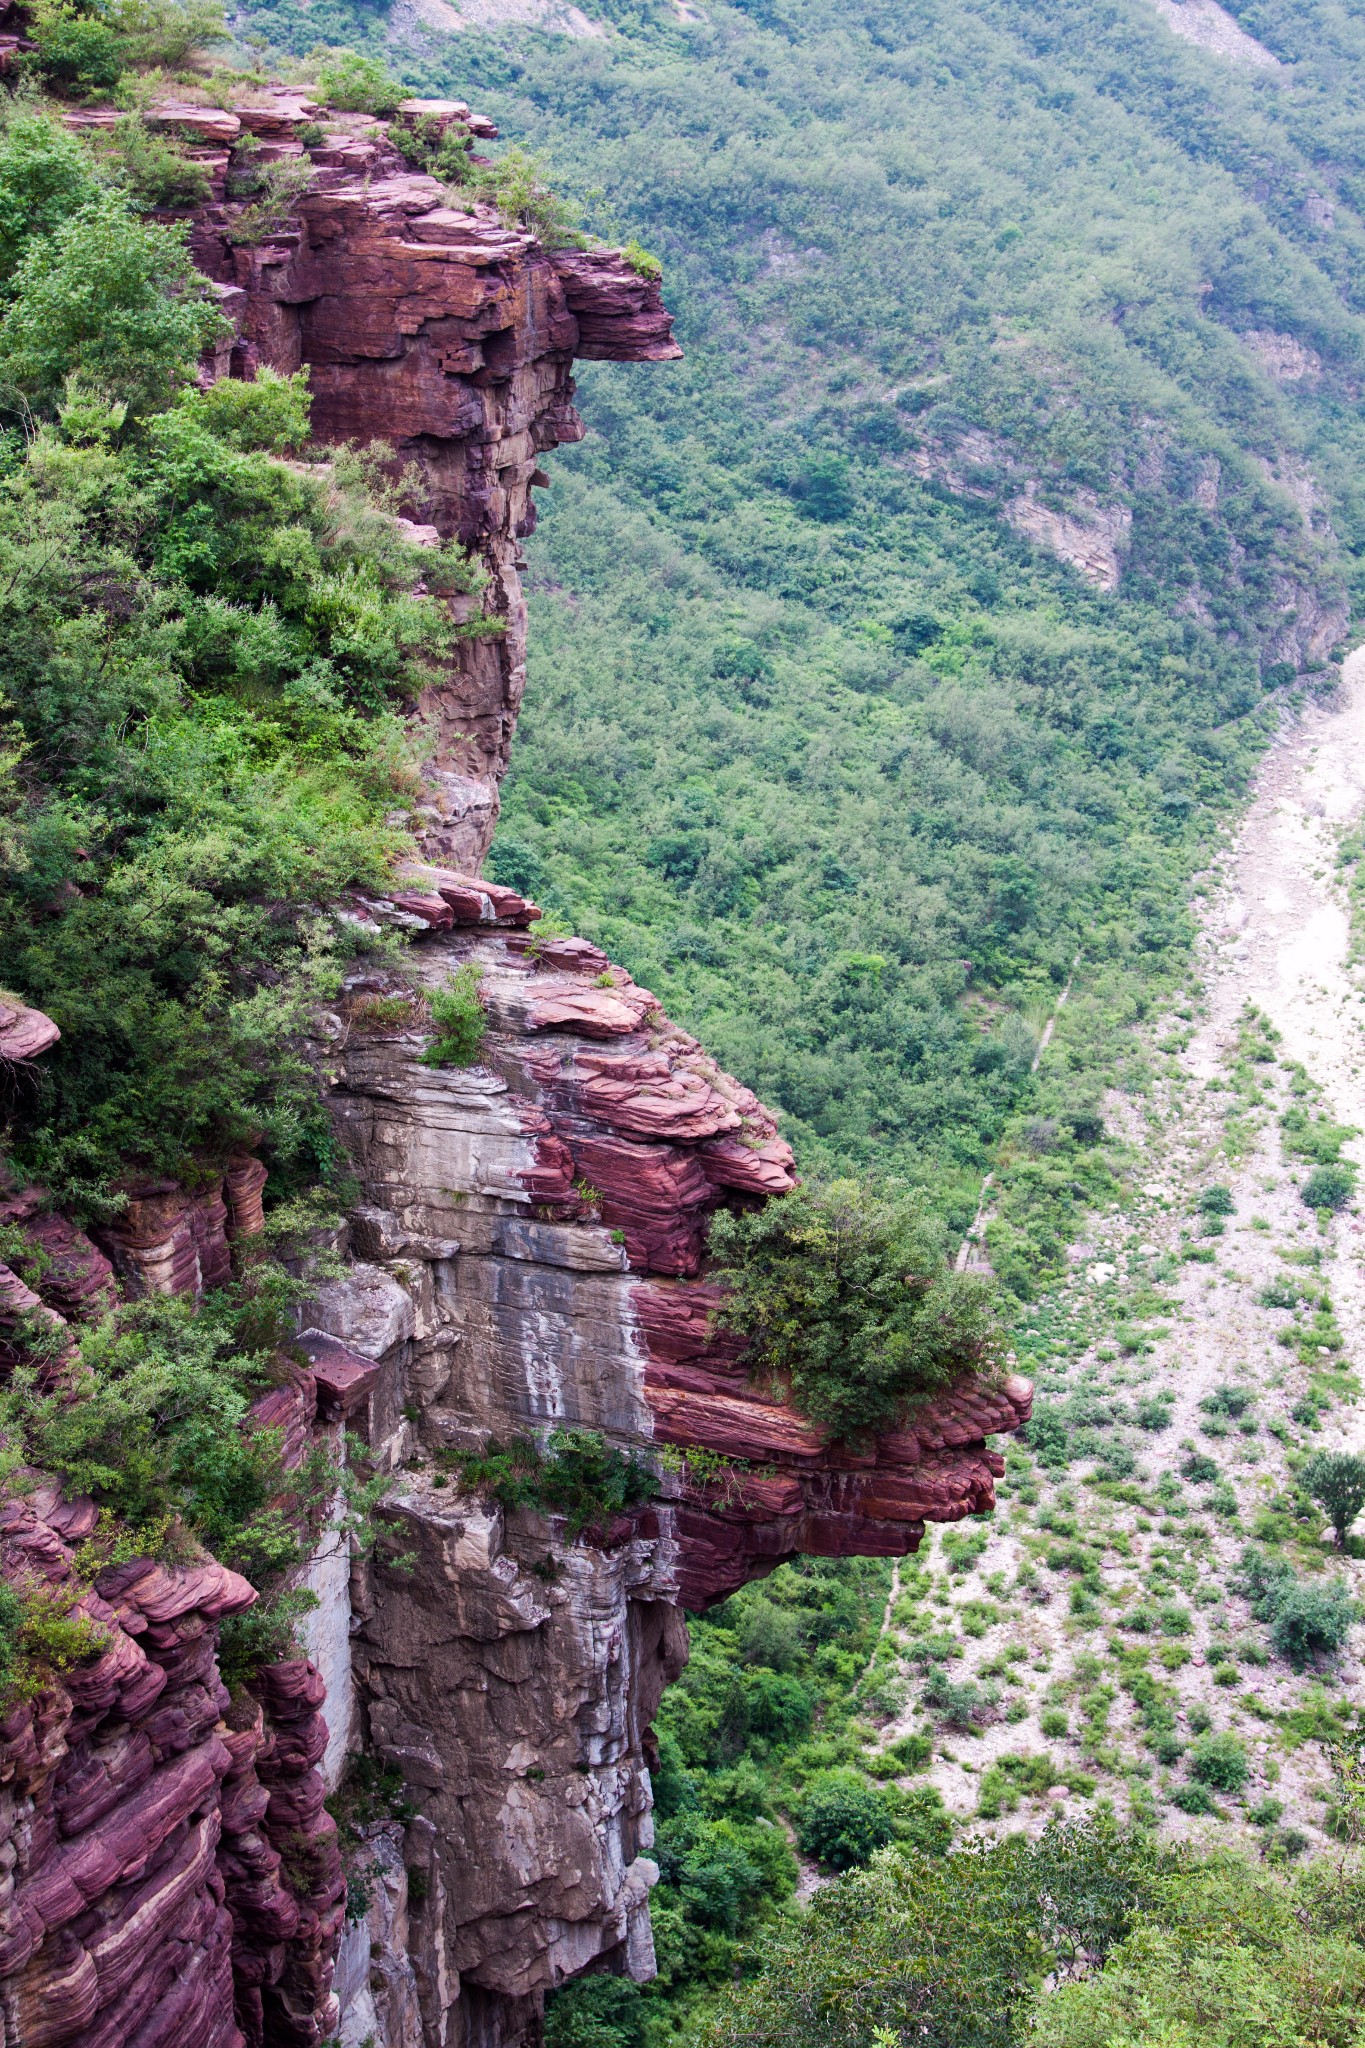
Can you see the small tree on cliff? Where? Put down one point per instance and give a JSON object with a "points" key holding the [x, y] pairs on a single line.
{"points": [[848, 1304], [1336, 1481]]}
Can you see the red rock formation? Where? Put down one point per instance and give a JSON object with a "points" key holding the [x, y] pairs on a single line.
{"points": [[172, 1865], [630, 1129], [143, 1816], [169, 1241], [77, 1279], [444, 332]]}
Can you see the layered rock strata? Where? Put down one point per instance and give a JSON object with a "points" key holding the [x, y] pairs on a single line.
{"points": [[169, 1876], [542, 1215], [527, 1254], [424, 321]]}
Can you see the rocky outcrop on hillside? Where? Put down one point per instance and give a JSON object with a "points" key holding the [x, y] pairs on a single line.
{"points": [[526, 1255], [425, 321], [169, 1875], [541, 1213]]}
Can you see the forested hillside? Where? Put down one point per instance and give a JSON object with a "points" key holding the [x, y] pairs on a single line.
{"points": [[896, 660], [822, 737]]}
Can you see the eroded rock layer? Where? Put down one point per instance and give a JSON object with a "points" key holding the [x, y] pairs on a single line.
{"points": [[527, 1253], [541, 1215], [450, 336], [169, 1874]]}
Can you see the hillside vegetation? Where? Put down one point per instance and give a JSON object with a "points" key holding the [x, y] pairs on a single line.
{"points": [[817, 741]]}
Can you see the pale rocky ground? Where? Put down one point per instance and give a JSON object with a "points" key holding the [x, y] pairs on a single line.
{"points": [[1276, 940], [1212, 28]]}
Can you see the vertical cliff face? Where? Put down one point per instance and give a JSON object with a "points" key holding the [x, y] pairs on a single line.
{"points": [[543, 1213], [526, 1254], [451, 336]]}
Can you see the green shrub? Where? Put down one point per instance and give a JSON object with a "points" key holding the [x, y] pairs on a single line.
{"points": [[358, 84], [578, 1475], [460, 1019], [1194, 1798], [1307, 1620], [596, 2012], [275, 191], [40, 1637], [847, 1305], [769, 1634], [944, 1949], [778, 1705], [1047, 1433], [157, 1433], [907, 1753], [75, 49], [268, 414], [112, 298], [1152, 1414], [962, 1703], [1336, 1481], [842, 1825], [922, 1821], [641, 262], [963, 1547], [1227, 1955], [1227, 1400], [1219, 1761], [267, 1633], [166, 34], [1329, 1187], [154, 170], [45, 177]]}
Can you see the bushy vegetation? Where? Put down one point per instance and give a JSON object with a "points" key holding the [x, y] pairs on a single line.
{"points": [[760, 1729], [1336, 1480], [1210, 1952], [459, 1019], [951, 1949], [847, 1303], [843, 1825], [816, 743], [207, 650], [578, 1475], [151, 1419], [1225, 1957], [41, 1637], [1306, 1618]]}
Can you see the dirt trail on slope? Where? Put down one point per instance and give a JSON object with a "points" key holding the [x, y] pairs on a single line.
{"points": [[1130, 1547]]}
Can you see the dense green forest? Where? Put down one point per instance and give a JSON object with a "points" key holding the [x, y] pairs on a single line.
{"points": [[816, 742], [825, 741]]}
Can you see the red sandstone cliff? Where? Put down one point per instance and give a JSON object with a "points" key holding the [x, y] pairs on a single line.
{"points": [[528, 1251], [449, 335], [143, 1816]]}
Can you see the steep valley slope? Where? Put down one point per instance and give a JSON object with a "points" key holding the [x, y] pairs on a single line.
{"points": [[955, 622]]}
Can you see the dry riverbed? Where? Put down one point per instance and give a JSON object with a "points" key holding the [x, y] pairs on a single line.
{"points": [[1185, 1367]]}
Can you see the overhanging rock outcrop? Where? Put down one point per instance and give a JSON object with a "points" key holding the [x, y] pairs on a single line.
{"points": [[576, 1167], [425, 321], [527, 1252], [544, 1211]]}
